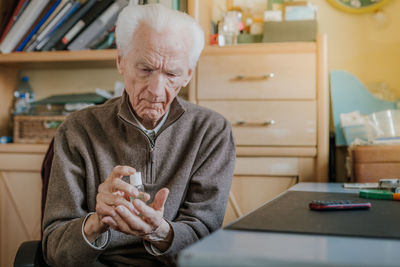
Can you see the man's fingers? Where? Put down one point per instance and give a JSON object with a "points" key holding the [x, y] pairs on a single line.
{"points": [[134, 223], [113, 200], [110, 222], [152, 214], [144, 196], [149, 215], [104, 210], [160, 198], [120, 224], [120, 171], [110, 183], [120, 185]]}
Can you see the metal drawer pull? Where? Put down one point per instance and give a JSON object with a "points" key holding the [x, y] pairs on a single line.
{"points": [[241, 78], [255, 124]]}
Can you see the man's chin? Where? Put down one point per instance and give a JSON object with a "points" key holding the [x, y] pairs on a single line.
{"points": [[152, 115]]}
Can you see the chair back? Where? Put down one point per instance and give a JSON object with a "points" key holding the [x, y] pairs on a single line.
{"points": [[45, 173]]}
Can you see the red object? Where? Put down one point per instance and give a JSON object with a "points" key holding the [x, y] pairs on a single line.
{"points": [[214, 39], [241, 26], [13, 19]]}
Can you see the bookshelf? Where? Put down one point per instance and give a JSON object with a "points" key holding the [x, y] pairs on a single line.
{"points": [[11, 64]]}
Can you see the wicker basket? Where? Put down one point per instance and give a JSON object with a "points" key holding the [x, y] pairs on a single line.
{"points": [[35, 129]]}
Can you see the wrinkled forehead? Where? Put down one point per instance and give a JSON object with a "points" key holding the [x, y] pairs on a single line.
{"points": [[166, 42]]}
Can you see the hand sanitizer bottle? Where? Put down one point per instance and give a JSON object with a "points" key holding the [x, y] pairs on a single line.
{"points": [[136, 180]]}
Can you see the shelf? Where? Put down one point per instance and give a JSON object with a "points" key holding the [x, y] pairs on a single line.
{"points": [[60, 59], [23, 148], [106, 58], [286, 47]]}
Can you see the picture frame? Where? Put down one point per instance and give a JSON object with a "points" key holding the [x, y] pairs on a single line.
{"points": [[358, 6]]}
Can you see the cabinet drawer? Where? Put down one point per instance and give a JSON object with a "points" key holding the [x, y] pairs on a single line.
{"points": [[268, 166], [246, 76], [21, 161], [250, 192], [294, 121]]}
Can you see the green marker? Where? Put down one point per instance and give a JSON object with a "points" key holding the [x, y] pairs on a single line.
{"points": [[379, 194]]}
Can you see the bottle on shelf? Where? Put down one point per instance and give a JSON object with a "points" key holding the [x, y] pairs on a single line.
{"points": [[23, 96]]}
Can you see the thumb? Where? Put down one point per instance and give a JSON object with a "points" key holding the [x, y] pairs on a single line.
{"points": [[160, 199]]}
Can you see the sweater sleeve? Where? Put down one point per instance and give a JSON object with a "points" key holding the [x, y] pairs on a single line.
{"points": [[63, 242], [202, 211]]}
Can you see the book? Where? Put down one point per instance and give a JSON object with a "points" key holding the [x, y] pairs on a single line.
{"points": [[167, 3], [35, 27], [17, 11], [29, 15], [67, 6], [44, 25], [45, 10], [175, 4], [183, 6], [180, 5], [70, 12], [108, 42], [76, 24], [6, 11], [105, 21], [105, 40], [58, 8], [68, 24]]}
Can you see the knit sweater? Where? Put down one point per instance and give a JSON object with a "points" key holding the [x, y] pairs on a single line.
{"points": [[193, 156]]}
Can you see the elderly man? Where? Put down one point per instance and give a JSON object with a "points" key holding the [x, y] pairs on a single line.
{"points": [[185, 153]]}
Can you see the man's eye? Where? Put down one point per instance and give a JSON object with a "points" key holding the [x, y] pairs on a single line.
{"points": [[147, 70], [172, 75]]}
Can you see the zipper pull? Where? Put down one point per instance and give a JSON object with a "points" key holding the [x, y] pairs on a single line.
{"points": [[152, 157]]}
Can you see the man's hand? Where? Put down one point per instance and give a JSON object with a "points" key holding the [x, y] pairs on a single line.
{"points": [[112, 192], [148, 221]]}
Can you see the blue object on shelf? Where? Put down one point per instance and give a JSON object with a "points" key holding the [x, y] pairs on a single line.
{"points": [[349, 94], [6, 139]]}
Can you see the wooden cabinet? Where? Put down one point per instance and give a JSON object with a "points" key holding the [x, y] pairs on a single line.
{"points": [[20, 197], [276, 97]]}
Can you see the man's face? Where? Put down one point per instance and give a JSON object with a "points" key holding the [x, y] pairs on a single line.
{"points": [[154, 71]]}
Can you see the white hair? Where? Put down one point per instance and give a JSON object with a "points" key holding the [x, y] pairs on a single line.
{"points": [[158, 18]]}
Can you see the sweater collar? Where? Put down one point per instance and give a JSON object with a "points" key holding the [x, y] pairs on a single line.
{"points": [[125, 111]]}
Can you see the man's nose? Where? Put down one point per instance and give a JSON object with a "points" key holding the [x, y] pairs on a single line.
{"points": [[157, 85]]}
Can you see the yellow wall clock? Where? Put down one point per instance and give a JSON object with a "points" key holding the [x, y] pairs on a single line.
{"points": [[358, 6]]}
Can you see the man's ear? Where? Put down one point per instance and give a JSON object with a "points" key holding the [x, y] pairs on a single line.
{"points": [[188, 77], [120, 64]]}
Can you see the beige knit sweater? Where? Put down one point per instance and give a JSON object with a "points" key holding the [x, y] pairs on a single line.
{"points": [[193, 156]]}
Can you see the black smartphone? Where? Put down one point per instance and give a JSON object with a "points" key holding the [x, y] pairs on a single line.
{"points": [[338, 205]]}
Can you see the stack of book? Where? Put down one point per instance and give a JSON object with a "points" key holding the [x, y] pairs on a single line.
{"points": [[44, 25]]}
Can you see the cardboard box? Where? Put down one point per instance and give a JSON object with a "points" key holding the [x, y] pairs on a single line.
{"points": [[290, 31], [372, 163]]}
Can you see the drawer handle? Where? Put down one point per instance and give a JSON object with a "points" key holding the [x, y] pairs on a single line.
{"points": [[242, 78], [255, 124]]}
